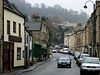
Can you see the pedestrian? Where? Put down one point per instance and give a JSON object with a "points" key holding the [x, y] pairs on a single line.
{"points": [[44, 56]]}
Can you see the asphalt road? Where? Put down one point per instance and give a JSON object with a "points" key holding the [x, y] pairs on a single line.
{"points": [[50, 68]]}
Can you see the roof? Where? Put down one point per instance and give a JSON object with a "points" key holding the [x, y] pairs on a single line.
{"points": [[12, 8], [33, 26]]}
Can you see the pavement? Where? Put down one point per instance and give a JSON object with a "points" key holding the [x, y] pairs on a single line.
{"points": [[31, 68]]}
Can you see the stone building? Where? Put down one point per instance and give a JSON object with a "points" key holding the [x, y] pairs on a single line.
{"points": [[1, 35]]}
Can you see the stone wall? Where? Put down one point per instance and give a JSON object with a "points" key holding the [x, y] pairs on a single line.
{"points": [[1, 32]]}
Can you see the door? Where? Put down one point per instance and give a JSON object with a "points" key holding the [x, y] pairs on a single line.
{"points": [[8, 56]]}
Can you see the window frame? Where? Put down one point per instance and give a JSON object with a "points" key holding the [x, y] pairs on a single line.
{"points": [[19, 29], [8, 26], [18, 53], [14, 26]]}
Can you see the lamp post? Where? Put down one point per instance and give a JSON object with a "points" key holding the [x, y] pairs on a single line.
{"points": [[94, 23]]}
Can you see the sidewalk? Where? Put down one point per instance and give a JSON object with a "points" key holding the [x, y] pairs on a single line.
{"points": [[31, 68]]}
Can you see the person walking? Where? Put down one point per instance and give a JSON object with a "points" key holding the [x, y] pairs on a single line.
{"points": [[44, 56]]}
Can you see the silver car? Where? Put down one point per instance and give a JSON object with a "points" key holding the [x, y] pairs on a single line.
{"points": [[90, 64], [64, 62]]}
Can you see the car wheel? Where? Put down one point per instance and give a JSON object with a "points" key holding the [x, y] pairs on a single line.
{"points": [[79, 64], [70, 66], [58, 66]]}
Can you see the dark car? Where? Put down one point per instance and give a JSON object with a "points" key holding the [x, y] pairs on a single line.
{"points": [[64, 62], [81, 58]]}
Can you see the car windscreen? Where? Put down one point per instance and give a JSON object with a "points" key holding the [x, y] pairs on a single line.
{"points": [[77, 54], [63, 59], [82, 56]]}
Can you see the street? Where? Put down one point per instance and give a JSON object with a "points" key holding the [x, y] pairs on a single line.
{"points": [[50, 68]]}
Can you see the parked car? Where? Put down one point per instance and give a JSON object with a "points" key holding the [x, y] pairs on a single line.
{"points": [[90, 64], [65, 50], [76, 55], [54, 50], [81, 58], [72, 52], [64, 62], [61, 50]]}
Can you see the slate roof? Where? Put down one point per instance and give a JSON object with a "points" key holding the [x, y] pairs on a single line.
{"points": [[12, 8], [33, 26]]}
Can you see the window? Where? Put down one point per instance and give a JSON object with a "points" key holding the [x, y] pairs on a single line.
{"points": [[27, 39], [14, 27], [19, 29], [8, 27], [30, 53], [23, 54], [18, 53]]}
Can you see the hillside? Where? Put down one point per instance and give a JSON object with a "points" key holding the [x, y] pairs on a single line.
{"points": [[56, 13]]}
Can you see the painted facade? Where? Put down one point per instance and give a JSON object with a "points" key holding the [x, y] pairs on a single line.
{"points": [[13, 38]]}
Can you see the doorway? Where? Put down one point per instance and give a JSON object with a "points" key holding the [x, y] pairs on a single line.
{"points": [[8, 56]]}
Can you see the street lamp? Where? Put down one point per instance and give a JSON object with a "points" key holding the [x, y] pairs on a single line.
{"points": [[94, 22], [91, 2]]}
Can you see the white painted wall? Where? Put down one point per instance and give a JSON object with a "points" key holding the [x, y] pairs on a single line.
{"points": [[13, 17]]}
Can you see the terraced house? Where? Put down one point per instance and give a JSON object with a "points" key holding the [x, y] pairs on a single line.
{"points": [[40, 35], [28, 48], [13, 37]]}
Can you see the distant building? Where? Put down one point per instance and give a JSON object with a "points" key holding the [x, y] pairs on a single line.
{"points": [[70, 40]]}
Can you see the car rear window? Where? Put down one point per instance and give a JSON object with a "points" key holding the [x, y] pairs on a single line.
{"points": [[91, 60]]}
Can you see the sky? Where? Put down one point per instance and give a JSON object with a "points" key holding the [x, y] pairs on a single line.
{"points": [[76, 5]]}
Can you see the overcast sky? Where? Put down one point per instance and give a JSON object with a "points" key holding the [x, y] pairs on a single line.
{"points": [[76, 5]]}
